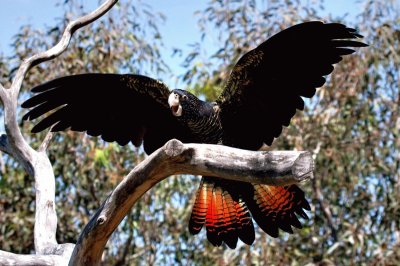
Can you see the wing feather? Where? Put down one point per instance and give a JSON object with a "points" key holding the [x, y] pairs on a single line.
{"points": [[265, 87], [120, 108]]}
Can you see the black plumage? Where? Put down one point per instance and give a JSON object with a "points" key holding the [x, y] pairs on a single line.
{"points": [[262, 94], [104, 104]]}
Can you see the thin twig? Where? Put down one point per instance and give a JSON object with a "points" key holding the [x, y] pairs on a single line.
{"points": [[325, 208], [61, 46], [46, 141], [320, 198]]}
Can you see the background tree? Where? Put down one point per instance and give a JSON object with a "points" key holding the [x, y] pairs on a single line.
{"points": [[352, 126]]}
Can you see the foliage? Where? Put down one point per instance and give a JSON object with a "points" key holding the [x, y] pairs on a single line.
{"points": [[352, 125]]}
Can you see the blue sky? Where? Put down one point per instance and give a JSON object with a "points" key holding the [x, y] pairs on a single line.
{"points": [[179, 30]]}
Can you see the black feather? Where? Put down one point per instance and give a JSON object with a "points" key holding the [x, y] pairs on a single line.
{"points": [[261, 96], [120, 108]]}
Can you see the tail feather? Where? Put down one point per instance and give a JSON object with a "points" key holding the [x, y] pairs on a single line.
{"points": [[221, 217], [274, 207], [224, 213], [302, 213], [213, 217], [200, 207], [245, 226], [229, 233], [225, 207]]}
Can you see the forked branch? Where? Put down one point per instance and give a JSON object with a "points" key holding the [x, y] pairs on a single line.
{"points": [[36, 163], [272, 168]]}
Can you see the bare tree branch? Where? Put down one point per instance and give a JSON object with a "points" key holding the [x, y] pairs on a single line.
{"points": [[36, 163], [8, 258], [59, 258], [272, 168], [61, 46], [46, 142]]}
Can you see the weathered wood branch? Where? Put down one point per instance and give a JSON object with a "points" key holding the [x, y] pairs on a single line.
{"points": [[46, 141], [36, 163], [61, 46], [60, 257], [8, 258], [272, 168]]}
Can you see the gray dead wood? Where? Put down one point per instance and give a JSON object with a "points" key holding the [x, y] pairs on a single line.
{"points": [[272, 168], [36, 163]]}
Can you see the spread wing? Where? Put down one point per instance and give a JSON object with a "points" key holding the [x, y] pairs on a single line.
{"points": [[119, 108], [265, 86]]}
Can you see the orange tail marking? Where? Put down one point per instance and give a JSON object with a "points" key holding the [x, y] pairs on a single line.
{"points": [[214, 213], [200, 207], [225, 207], [276, 207], [220, 207], [244, 223], [273, 198], [229, 212], [230, 228]]}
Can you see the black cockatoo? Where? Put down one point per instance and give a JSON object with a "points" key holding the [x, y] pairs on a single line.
{"points": [[263, 92]]}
